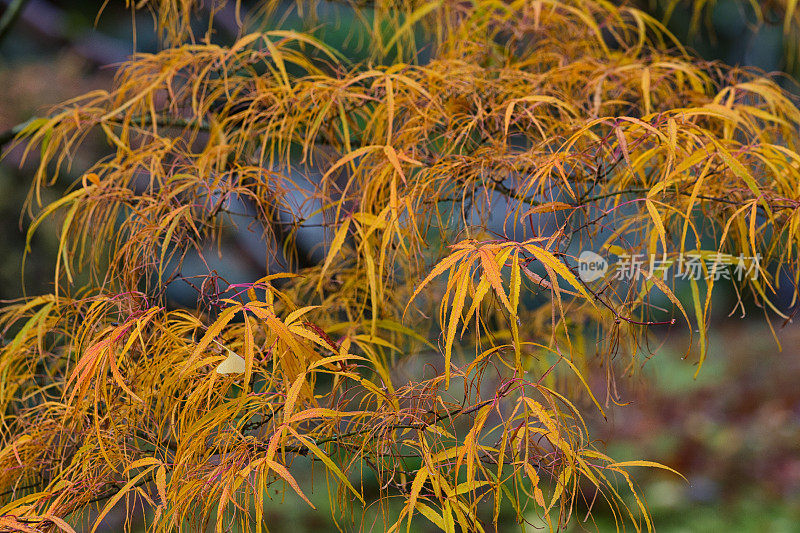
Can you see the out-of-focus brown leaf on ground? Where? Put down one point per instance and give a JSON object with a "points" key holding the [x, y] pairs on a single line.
{"points": [[734, 432]]}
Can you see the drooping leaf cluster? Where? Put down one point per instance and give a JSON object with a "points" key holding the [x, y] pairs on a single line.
{"points": [[431, 357]]}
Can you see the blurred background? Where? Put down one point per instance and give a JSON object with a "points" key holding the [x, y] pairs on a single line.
{"points": [[734, 432]]}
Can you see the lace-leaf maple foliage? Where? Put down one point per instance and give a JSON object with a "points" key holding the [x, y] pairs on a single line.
{"points": [[432, 362]]}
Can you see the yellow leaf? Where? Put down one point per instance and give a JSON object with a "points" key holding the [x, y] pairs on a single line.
{"points": [[585, 385], [538, 496], [549, 260], [455, 315], [440, 267], [336, 245], [161, 484], [233, 364], [392, 155], [492, 273], [549, 207], [651, 464], [284, 473], [651, 208], [118, 496], [416, 488], [350, 157], [516, 284], [623, 145], [738, 169], [470, 486], [431, 515], [59, 522], [701, 323], [322, 456], [291, 396], [215, 329], [297, 313]]}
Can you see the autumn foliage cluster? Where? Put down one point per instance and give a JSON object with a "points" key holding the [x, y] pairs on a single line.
{"points": [[433, 357]]}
